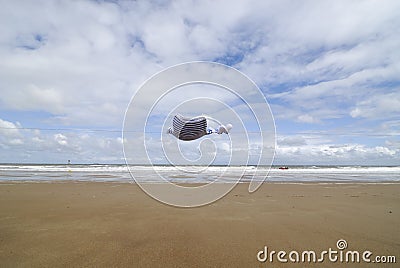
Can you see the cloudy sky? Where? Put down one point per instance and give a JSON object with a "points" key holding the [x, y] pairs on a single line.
{"points": [[330, 71]]}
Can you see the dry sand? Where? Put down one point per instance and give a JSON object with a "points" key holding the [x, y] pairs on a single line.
{"points": [[118, 225]]}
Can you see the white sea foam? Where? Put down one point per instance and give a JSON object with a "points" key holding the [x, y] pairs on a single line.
{"points": [[198, 174]]}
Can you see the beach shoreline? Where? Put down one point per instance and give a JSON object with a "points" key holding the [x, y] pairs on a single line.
{"points": [[114, 224]]}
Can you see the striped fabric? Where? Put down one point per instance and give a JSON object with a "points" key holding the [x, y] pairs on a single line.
{"points": [[188, 129]]}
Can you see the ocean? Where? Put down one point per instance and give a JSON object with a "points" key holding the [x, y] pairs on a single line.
{"points": [[197, 174]]}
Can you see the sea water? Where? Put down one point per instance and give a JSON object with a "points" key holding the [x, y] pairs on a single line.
{"points": [[197, 174]]}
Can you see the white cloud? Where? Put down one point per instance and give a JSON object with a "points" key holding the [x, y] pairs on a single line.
{"points": [[378, 106], [393, 144], [28, 145], [306, 118], [80, 62], [9, 129], [345, 154], [15, 142], [291, 141], [61, 139]]}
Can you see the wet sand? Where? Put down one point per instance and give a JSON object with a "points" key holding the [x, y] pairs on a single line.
{"points": [[90, 224]]}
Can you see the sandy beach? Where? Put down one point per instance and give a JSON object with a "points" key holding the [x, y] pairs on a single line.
{"points": [[90, 224]]}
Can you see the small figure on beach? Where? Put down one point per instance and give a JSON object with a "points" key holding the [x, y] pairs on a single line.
{"points": [[188, 129]]}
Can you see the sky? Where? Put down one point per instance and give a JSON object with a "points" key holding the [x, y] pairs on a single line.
{"points": [[330, 71]]}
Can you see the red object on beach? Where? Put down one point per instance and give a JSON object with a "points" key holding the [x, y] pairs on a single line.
{"points": [[283, 168]]}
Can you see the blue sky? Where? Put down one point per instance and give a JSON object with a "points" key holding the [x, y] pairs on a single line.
{"points": [[330, 71]]}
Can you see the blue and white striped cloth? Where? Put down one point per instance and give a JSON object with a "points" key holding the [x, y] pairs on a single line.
{"points": [[188, 129]]}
